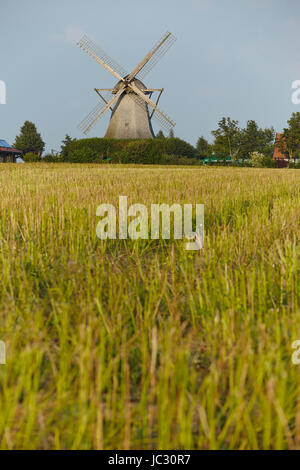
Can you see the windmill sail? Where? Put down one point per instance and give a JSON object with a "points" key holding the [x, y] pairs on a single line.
{"points": [[97, 53], [164, 122], [157, 55], [99, 111]]}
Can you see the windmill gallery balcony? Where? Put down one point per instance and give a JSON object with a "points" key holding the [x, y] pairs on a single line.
{"points": [[7, 153]]}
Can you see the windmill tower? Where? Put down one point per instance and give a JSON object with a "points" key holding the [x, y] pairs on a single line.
{"points": [[130, 103]]}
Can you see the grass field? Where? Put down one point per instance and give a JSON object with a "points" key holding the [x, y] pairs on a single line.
{"points": [[142, 344]]}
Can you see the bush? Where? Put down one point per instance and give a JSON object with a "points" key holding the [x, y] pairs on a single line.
{"points": [[176, 160], [84, 155], [147, 151], [294, 165], [31, 157], [260, 160], [144, 151], [91, 150], [175, 146], [51, 158]]}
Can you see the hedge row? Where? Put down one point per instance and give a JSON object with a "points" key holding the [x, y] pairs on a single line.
{"points": [[150, 151]]}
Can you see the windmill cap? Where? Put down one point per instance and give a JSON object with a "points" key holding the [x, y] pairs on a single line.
{"points": [[136, 82]]}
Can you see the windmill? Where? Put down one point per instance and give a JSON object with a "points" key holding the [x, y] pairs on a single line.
{"points": [[130, 100]]}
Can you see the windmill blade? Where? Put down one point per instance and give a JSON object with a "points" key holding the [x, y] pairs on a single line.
{"points": [[151, 59], [161, 121], [107, 96], [97, 112], [164, 120], [99, 55]]}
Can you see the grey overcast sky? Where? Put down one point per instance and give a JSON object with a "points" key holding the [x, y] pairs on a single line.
{"points": [[234, 58]]}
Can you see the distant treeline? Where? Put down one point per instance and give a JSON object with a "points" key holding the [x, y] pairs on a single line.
{"points": [[250, 146]]}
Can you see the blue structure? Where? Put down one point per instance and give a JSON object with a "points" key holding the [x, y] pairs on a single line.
{"points": [[8, 153], [3, 143]]}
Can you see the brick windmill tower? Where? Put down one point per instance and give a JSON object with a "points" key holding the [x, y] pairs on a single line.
{"points": [[130, 103]]}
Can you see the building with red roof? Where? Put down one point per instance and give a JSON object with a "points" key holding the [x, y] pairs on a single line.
{"points": [[281, 158], [8, 153]]}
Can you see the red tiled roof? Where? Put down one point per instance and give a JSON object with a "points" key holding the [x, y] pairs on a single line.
{"points": [[278, 155], [9, 150]]}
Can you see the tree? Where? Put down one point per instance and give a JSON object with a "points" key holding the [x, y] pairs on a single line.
{"points": [[267, 141], [255, 139], [227, 138], [203, 147], [64, 147], [290, 140], [160, 135], [171, 134], [29, 139]]}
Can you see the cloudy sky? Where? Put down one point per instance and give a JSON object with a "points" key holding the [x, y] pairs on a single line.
{"points": [[234, 58]]}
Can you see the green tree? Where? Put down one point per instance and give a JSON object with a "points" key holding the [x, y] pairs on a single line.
{"points": [[255, 139], [267, 141], [29, 140], [203, 147], [160, 135], [64, 147], [227, 138], [290, 141], [171, 134]]}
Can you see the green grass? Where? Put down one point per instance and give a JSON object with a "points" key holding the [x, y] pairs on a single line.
{"points": [[142, 344]]}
